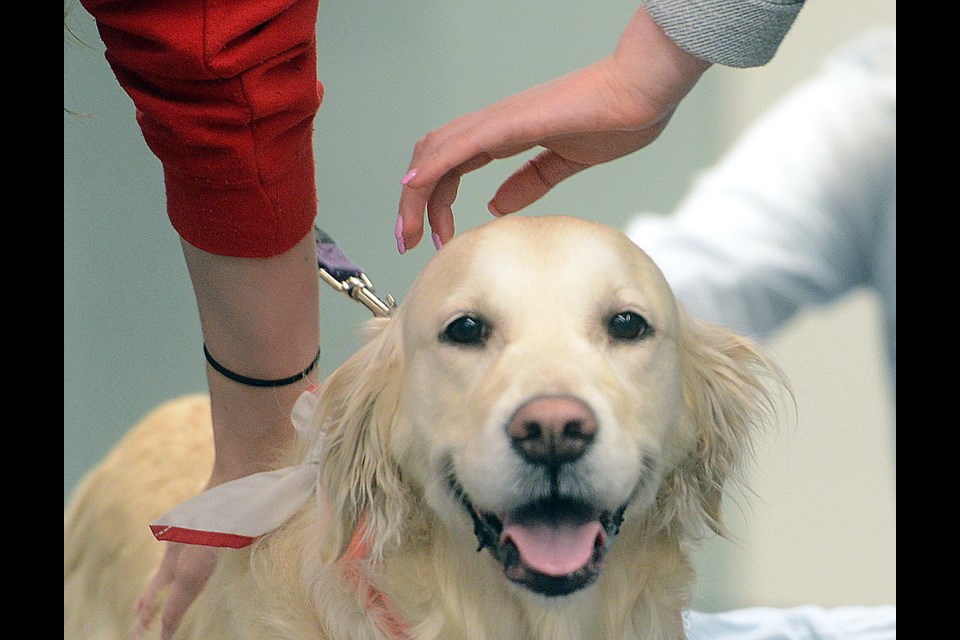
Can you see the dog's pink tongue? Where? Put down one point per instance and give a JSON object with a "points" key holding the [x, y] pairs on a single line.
{"points": [[554, 551]]}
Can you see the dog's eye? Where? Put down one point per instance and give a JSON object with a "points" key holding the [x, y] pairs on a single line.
{"points": [[466, 330], [628, 325]]}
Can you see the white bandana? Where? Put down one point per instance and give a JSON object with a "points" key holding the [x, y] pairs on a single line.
{"points": [[236, 513]]}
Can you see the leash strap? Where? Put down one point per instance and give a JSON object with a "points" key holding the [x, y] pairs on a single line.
{"points": [[345, 276]]}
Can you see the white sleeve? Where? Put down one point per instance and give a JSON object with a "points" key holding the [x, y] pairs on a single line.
{"points": [[791, 216]]}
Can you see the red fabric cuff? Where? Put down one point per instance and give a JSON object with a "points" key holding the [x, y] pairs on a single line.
{"points": [[226, 93], [253, 220]]}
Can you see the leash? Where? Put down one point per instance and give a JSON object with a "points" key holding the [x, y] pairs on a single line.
{"points": [[345, 276], [341, 273]]}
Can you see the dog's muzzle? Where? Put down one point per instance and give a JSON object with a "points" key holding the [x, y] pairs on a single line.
{"points": [[555, 543], [551, 546]]}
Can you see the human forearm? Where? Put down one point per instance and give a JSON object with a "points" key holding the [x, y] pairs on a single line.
{"points": [[260, 318]]}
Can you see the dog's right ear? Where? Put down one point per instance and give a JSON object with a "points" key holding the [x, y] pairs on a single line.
{"points": [[359, 481]]}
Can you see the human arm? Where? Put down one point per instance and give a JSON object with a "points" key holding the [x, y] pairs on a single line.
{"points": [[225, 97], [599, 113], [596, 114], [801, 211], [260, 316]]}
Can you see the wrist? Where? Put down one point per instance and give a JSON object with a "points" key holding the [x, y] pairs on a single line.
{"points": [[252, 427], [652, 69], [259, 316]]}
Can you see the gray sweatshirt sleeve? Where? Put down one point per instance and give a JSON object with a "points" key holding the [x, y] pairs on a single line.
{"points": [[734, 33]]}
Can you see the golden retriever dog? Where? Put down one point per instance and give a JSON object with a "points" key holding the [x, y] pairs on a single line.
{"points": [[526, 449]]}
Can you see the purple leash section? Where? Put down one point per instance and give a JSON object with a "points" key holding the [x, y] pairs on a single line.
{"points": [[341, 273]]}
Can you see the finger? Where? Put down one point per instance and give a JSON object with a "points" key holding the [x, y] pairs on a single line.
{"points": [[193, 572], [440, 205], [436, 167], [456, 144], [440, 209], [413, 204], [419, 183], [437, 198], [532, 181], [145, 609]]}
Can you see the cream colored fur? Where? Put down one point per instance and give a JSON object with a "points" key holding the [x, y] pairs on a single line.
{"points": [[675, 412]]}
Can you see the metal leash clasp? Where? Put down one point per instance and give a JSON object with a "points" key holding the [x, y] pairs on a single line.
{"points": [[360, 289]]}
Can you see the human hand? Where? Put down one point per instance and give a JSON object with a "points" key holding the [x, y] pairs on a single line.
{"points": [[185, 569], [597, 114]]}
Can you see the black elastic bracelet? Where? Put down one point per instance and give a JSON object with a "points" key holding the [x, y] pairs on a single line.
{"points": [[259, 382]]}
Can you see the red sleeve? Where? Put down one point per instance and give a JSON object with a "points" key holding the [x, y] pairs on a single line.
{"points": [[226, 92]]}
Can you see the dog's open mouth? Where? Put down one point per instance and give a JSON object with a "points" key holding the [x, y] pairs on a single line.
{"points": [[552, 546]]}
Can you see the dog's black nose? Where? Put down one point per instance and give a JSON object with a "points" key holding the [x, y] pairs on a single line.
{"points": [[552, 430]]}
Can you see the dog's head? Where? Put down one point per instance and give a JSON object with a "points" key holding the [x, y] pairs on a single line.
{"points": [[541, 386]]}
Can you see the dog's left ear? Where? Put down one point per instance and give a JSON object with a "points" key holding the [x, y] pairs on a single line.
{"points": [[728, 388], [359, 481]]}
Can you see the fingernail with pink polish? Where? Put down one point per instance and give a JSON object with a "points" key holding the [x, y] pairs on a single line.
{"points": [[410, 176], [436, 240], [398, 232]]}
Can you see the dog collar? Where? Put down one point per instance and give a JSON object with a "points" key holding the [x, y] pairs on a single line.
{"points": [[374, 600]]}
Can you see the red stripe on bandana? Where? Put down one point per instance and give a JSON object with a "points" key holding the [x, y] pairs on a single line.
{"points": [[205, 538]]}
